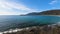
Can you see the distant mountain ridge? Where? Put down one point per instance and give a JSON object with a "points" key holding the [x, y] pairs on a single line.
{"points": [[48, 12]]}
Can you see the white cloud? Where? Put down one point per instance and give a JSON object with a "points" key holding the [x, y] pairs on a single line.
{"points": [[53, 2], [5, 13], [11, 5]]}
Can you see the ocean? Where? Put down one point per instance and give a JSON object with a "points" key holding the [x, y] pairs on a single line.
{"points": [[16, 21]]}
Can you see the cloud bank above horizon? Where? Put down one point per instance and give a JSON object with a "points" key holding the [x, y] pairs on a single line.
{"points": [[11, 7]]}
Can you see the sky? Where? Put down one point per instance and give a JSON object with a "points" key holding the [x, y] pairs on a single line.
{"points": [[18, 7]]}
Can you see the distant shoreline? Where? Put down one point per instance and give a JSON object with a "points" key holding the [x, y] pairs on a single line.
{"points": [[39, 15]]}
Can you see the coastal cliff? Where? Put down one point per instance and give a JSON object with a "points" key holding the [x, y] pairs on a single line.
{"points": [[48, 12]]}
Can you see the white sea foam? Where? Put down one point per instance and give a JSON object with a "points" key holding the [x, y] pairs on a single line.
{"points": [[10, 31], [58, 23], [15, 30]]}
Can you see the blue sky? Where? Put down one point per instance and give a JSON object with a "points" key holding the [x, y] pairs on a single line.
{"points": [[17, 7]]}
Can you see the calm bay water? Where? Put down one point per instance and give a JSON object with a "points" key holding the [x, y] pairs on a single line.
{"points": [[11, 22]]}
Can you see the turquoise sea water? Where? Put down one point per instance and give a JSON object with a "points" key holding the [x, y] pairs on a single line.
{"points": [[12, 22]]}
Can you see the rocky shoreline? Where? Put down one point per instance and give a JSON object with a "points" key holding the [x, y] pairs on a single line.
{"points": [[46, 29]]}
